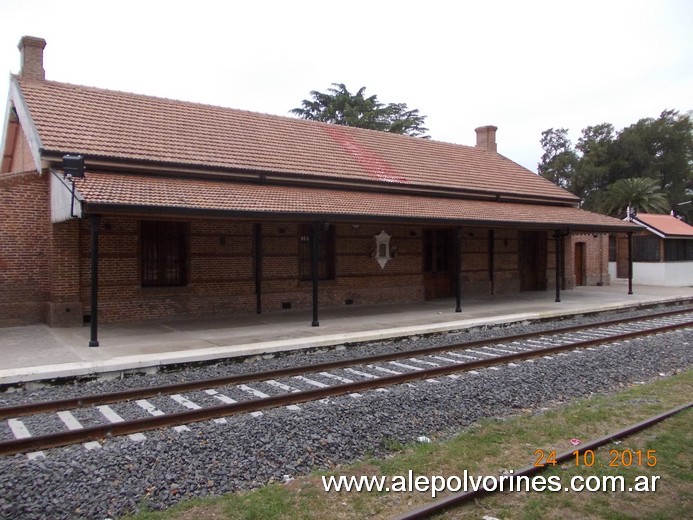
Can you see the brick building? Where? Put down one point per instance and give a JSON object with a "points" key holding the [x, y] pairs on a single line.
{"points": [[187, 210]]}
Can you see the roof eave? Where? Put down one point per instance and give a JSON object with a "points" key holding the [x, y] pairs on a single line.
{"points": [[297, 179], [104, 208]]}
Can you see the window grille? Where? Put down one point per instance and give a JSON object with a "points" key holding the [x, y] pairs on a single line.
{"points": [[612, 248], [678, 250], [163, 253], [646, 249]]}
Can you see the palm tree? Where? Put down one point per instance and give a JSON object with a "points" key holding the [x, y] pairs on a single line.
{"points": [[638, 193]]}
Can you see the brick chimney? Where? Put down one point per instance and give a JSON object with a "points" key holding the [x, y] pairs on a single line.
{"points": [[486, 138], [31, 51]]}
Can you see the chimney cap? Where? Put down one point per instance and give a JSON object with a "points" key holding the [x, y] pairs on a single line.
{"points": [[33, 41]]}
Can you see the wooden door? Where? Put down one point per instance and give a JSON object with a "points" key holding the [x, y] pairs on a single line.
{"points": [[580, 263], [532, 252], [438, 263]]}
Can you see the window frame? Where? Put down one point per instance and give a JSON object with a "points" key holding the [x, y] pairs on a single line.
{"points": [[678, 250], [168, 240], [646, 248]]}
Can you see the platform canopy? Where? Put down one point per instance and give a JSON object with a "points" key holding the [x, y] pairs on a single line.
{"points": [[164, 195]]}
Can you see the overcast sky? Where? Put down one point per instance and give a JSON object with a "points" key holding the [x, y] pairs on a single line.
{"points": [[523, 66]]}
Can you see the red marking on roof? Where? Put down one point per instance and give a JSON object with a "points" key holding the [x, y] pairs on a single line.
{"points": [[371, 162]]}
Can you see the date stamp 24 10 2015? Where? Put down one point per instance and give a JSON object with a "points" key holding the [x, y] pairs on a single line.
{"points": [[586, 458]]}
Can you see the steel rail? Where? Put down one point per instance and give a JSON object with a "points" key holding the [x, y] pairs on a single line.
{"points": [[188, 386], [152, 423], [454, 500]]}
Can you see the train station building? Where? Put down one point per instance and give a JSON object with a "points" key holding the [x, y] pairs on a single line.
{"points": [[128, 207]]}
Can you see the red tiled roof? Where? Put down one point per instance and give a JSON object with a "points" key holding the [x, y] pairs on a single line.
{"points": [[138, 193], [666, 225], [123, 126]]}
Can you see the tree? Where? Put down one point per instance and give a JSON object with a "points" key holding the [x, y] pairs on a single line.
{"points": [[660, 149], [595, 146], [637, 193], [559, 160], [341, 107]]}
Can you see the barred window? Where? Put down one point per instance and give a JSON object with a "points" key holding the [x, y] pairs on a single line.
{"points": [[612, 248], [326, 253], [678, 250], [646, 249], [163, 253]]}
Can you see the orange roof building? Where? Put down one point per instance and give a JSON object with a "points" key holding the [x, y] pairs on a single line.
{"points": [[662, 251], [199, 209]]}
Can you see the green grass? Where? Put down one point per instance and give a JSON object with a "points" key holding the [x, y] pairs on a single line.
{"points": [[492, 445]]}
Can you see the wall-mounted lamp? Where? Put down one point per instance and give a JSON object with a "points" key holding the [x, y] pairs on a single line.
{"points": [[73, 166]]}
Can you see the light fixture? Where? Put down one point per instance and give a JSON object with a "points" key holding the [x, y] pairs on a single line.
{"points": [[73, 166]]}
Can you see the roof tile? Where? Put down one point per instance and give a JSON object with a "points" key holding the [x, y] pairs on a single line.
{"points": [[666, 224], [104, 123], [193, 195]]}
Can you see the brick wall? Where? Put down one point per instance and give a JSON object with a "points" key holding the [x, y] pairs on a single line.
{"points": [[221, 277], [596, 259], [22, 159], [221, 257], [25, 236]]}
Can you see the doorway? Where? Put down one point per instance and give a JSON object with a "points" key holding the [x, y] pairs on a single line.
{"points": [[532, 252], [580, 274], [438, 262]]}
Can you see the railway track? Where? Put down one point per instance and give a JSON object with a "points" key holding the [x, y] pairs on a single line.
{"points": [[91, 419], [458, 499]]}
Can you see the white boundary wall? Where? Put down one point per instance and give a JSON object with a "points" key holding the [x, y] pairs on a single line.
{"points": [[673, 274]]}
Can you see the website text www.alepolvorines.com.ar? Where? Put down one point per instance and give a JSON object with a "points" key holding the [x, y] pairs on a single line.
{"points": [[437, 484]]}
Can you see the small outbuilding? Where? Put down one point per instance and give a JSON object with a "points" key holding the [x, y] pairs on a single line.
{"points": [[662, 251]]}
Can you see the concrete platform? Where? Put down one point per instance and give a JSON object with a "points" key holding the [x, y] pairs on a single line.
{"points": [[37, 352]]}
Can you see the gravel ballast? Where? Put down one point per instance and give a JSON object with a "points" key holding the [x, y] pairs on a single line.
{"points": [[247, 451]]}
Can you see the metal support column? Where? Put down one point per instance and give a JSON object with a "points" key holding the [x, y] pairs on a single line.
{"points": [[558, 265], [314, 247], [94, 319], [492, 259], [458, 269], [630, 262], [258, 267]]}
